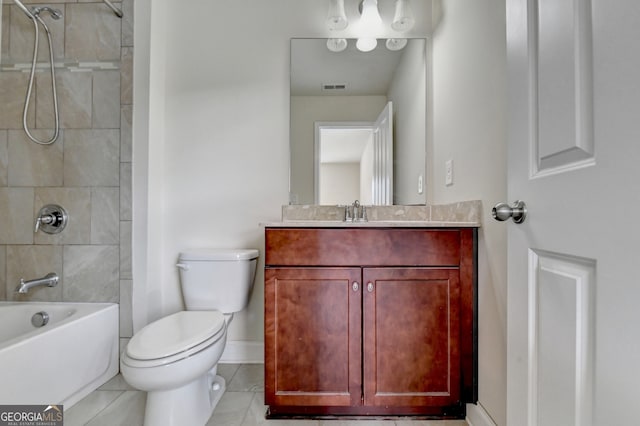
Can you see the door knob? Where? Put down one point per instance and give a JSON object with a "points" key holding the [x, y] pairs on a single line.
{"points": [[517, 211]]}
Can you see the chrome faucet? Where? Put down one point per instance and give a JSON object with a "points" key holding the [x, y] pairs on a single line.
{"points": [[355, 212], [50, 280]]}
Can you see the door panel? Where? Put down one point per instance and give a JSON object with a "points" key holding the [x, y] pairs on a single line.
{"points": [[412, 335], [560, 60], [561, 339]]}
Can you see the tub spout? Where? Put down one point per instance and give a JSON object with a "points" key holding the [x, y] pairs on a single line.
{"points": [[50, 280]]}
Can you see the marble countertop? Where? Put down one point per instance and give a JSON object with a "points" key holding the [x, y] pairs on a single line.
{"points": [[465, 214]]}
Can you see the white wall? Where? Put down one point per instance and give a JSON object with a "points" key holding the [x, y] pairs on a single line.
{"points": [[211, 126], [469, 127], [408, 93], [339, 183]]}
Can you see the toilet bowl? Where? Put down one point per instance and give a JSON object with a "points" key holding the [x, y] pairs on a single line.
{"points": [[174, 359]]}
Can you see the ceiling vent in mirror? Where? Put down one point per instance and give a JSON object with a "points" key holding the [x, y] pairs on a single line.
{"points": [[333, 87]]}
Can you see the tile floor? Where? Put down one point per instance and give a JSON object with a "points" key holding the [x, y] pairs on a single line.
{"points": [[117, 404]]}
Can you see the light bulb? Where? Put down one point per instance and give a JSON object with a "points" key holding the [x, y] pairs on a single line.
{"points": [[366, 44], [370, 20], [403, 19], [337, 44], [396, 43], [337, 19]]}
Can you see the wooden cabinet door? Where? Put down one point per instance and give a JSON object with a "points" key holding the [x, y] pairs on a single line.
{"points": [[411, 323], [313, 336]]}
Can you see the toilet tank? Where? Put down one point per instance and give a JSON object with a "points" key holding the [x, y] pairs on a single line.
{"points": [[217, 279]]}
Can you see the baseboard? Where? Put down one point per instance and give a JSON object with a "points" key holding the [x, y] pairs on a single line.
{"points": [[243, 352], [478, 416]]}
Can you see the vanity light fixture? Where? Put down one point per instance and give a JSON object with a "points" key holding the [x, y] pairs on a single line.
{"points": [[403, 19], [337, 44], [337, 18], [369, 25]]}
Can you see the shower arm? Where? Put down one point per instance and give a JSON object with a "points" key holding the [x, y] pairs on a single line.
{"points": [[114, 8], [27, 12], [24, 9]]}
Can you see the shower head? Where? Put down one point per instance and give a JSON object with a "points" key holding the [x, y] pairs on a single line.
{"points": [[24, 9], [55, 13]]}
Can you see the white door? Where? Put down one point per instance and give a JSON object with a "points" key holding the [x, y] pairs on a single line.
{"points": [[574, 158], [383, 157]]}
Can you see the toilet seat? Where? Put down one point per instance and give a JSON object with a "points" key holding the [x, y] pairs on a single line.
{"points": [[175, 337]]}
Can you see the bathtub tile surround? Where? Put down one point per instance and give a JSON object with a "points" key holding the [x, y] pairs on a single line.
{"points": [[91, 157], [87, 170], [91, 273], [126, 323], [125, 191], [4, 157], [126, 144], [13, 87], [92, 31], [3, 272], [105, 216], [74, 100], [106, 96], [34, 165], [126, 268], [15, 206]]}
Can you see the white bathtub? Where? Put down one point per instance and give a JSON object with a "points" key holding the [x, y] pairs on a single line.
{"points": [[62, 361]]}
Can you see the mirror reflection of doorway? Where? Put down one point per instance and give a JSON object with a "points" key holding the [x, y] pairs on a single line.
{"points": [[345, 163], [354, 161]]}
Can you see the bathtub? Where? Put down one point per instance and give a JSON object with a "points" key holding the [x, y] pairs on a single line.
{"points": [[62, 361]]}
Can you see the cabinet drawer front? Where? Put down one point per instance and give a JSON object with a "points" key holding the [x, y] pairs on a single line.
{"points": [[349, 247]]}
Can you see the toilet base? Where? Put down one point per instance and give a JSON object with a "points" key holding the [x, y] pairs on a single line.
{"points": [[191, 404]]}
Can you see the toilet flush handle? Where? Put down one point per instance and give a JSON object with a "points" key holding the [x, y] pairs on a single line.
{"points": [[182, 266]]}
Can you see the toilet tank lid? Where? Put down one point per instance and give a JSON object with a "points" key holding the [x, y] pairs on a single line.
{"points": [[219, 254]]}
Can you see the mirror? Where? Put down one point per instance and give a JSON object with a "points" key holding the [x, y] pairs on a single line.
{"points": [[350, 89]]}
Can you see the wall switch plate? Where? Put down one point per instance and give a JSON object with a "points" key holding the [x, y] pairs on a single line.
{"points": [[448, 166], [420, 184]]}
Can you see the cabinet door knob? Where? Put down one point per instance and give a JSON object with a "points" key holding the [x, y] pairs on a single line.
{"points": [[370, 287], [355, 286]]}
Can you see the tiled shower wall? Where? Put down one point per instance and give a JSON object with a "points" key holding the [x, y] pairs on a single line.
{"points": [[87, 170]]}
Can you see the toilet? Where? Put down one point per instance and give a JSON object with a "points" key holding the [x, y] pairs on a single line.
{"points": [[174, 359]]}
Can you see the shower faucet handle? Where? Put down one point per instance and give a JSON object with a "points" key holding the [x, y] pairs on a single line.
{"points": [[52, 219]]}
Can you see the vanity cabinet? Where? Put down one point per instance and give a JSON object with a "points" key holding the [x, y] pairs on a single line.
{"points": [[370, 321]]}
